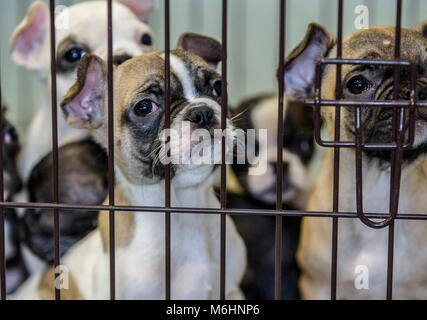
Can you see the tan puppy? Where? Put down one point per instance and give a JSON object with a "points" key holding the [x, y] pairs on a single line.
{"points": [[80, 29], [359, 245], [139, 120]]}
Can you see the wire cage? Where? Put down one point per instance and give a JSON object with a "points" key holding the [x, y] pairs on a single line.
{"points": [[400, 109]]}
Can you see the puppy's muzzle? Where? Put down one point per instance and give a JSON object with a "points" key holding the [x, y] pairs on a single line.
{"points": [[405, 94], [286, 174], [202, 117]]}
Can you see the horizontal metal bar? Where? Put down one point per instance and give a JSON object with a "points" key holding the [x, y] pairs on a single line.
{"points": [[292, 213], [367, 62], [367, 103], [364, 146]]}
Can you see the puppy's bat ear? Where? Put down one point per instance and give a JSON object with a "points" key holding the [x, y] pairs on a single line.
{"points": [[422, 28], [207, 48], [27, 40], [83, 105], [141, 8], [300, 65]]}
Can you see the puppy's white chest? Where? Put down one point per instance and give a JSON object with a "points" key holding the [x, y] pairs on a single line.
{"points": [[143, 262], [193, 264]]}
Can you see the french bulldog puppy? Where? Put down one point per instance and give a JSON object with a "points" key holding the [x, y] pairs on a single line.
{"points": [[359, 245], [80, 29], [83, 180], [259, 191], [139, 170], [260, 113]]}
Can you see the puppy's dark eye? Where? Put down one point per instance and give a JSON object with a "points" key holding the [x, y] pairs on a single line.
{"points": [[74, 54], [146, 39], [358, 84], [216, 90], [144, 108]]}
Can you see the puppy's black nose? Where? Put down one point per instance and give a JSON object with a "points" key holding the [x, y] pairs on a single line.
{"points": [[203, 117], [119, 59]]}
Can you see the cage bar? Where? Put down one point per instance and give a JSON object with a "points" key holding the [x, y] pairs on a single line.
{"points": [[248, 212], [279, 177], [396, 157], [111, 198], [318, 102], [2, 213], [168, 167], [54, 108], [224, 107], [335, 200]]}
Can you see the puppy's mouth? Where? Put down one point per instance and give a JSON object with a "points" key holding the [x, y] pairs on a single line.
{"points": [[209, 146], [198, 138]]}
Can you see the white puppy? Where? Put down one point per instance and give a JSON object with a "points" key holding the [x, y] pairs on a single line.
{"points": [[80, 29]]}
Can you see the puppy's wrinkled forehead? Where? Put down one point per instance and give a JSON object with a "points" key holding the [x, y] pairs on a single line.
{"points": [[189, 76], [379, 43]]}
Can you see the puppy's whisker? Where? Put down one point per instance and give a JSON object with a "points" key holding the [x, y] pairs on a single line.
{"points": [[156, 161], [238, 116], [154, 150]]}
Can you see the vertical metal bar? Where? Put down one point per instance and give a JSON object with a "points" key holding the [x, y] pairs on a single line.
{"points": [[111, 198], [396, 157], [54, 140], [317, 104], [359, 177], [167, 169], [413, 102], [279, 181], [336, 158], [2, 226], [224, 107]]}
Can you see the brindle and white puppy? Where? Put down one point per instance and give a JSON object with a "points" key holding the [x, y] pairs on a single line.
{"points": [[359, 244], [83, 180], [259, 191], [80, 29], [140, 239]]}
